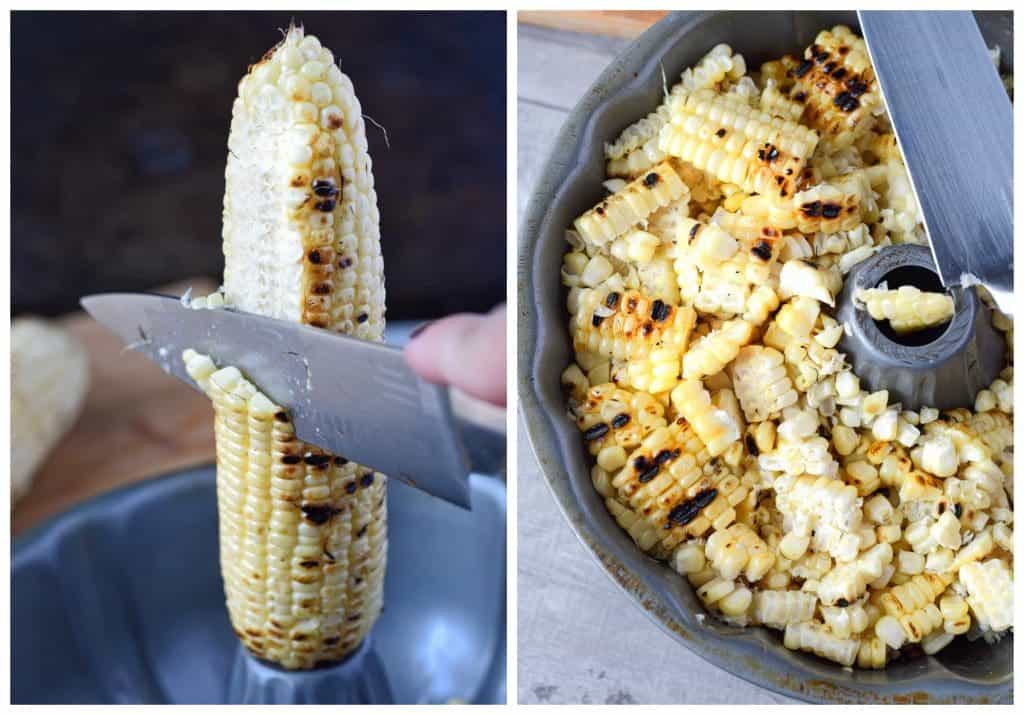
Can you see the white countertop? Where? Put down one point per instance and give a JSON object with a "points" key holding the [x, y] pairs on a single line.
{"points": [[581, 640]]}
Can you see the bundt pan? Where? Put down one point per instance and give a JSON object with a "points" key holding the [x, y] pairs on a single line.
{"points": [[120, 600], [570, 183]]}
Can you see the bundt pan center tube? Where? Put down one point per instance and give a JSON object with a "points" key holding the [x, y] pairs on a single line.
{"points": [[570, 183], [944, 366]]}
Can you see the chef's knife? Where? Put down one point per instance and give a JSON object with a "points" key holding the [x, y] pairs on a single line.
{"points": [[954, 123], [350, 397]]}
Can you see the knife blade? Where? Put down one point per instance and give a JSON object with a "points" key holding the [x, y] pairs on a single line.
{"points": [[351, 397], [954, 123]]}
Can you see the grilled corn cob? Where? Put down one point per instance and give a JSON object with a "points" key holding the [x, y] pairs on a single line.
{"points": [[836, 84], [736, 143], [303, 534], [630, 205], [49, 381]]}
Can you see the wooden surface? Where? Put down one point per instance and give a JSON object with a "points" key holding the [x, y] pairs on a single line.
{"points": [[580, 638], [614, 23], [137, 422]]}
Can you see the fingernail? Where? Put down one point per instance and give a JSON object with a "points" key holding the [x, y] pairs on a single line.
{"points": [[420, 328]]}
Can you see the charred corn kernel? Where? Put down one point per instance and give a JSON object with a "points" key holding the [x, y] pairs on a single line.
{"points": [[989, 586], [613, 416], [817, 639], [907, 308], [780, 608], [836, 84], [712, 425], [49, 382], [303, 534], [736, 143], [739, 551], [711, 353], [638, 200]]}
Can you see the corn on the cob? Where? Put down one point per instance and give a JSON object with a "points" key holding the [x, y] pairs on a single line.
{"points": [[836, 84], [736, 143], [848, 582], [907, 308], [712, 352], [872, 652], [739, 551], [302, 533], [49, 382], [841, 204], [632, 204]]}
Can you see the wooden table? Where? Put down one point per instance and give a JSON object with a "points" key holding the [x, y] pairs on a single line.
{"points": [[137, 422], [580, 638]]}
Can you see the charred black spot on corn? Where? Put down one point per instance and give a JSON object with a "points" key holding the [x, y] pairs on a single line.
{"points": [[351, 487], [318, 460], [720, 133], [362, 318], [291, 459], [325, 187], [666, 455], [800, 96], [327, 205], [856, 87], [660, 311], [752, 445], [651, 179], [648, 474], [345, 262], [612, 300], [331, 640], [830, 210], [803, 68], [842, 603], [596, 320], [362, 531], [367, 479], [811, 209], [763, 250], [958, 511], [647, 328], [683, 514], [596, 432], [281, 416], [318, 513], [846, 102], [322, 289], [340, 461], [620, 420], [309, 564], [315, 257]]}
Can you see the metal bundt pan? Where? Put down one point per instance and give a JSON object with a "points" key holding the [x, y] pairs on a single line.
{"points": [[120, 600], [570, 183]]}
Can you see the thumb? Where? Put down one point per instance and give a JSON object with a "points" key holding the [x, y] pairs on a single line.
{"points": [[466, 351]]}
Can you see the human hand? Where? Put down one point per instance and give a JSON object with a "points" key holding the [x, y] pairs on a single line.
{"points": [[466, 351]]}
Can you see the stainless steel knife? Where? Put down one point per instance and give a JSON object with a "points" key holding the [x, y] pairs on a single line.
{"points": [[954, 123], [351, 397]]}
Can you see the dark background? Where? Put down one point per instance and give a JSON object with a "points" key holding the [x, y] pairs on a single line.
{"points": [[119, 139]]}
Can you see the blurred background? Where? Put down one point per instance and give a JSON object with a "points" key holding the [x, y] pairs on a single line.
{"points": [[119, 139]]}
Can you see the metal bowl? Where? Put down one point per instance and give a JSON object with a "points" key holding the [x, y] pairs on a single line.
{"points": [[570, 183]]}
